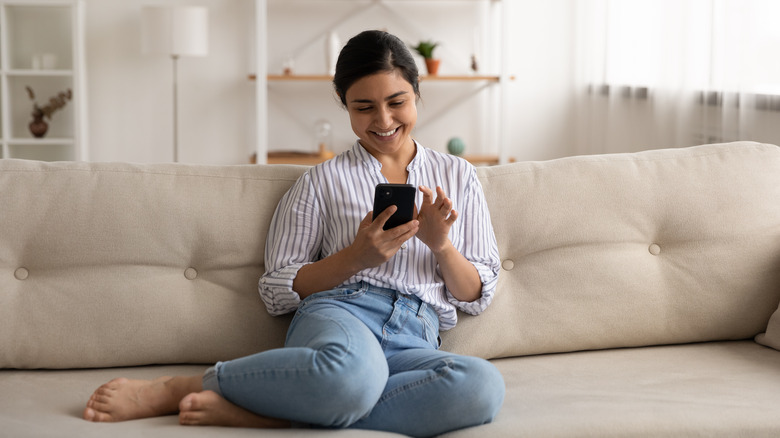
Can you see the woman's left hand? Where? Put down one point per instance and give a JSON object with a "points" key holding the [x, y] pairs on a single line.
{"points": [[435, 217]]}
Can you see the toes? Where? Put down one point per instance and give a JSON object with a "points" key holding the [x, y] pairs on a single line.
{"points": [[190, 413], [188, 403], [190, 418], [96, 416]]}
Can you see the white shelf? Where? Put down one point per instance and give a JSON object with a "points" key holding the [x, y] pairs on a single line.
{"points": [[69, 142], [39, 73], [42, 47], [489, 122]]}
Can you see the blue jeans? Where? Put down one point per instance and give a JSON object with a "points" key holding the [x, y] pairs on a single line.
{"points": [[367, 358]]}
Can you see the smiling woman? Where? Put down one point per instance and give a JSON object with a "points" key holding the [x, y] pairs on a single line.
{"points": [[363, 348], [383, 112]]}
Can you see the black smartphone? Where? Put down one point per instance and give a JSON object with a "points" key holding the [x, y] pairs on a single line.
{"points": [[400, 195]]}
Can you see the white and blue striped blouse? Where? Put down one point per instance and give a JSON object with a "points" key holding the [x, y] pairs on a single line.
{"points": [[321, 212]]}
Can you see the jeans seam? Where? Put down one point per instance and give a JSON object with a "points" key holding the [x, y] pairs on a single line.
{"points": [[439, 372], [309, 369]]}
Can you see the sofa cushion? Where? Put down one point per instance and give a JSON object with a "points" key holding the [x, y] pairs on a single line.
{"points": [[49, 404], [771, 338], [658, 247], [116, 264], [109, 264], [725, 389], [722, 389]]}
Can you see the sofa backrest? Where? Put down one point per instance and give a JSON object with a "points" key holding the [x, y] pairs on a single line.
{"points": [[116, 264], [120, 264], [658, 247]]}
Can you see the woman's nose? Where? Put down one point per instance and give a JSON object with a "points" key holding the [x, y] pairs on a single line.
{"points": [[384, 118]]}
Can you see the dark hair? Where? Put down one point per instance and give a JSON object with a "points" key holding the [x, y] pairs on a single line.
{"points": [[370, 52]]}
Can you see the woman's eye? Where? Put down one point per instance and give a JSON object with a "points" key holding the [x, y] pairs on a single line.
{"points": [[396, 104], [364, 109]]}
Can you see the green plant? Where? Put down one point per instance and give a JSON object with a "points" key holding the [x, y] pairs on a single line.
{"points": [[55, 103], [425, 48]]}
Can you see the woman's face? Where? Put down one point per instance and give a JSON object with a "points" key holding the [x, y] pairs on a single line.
{"points": [[383, 111]]}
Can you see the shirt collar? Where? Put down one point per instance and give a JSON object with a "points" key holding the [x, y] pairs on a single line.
{"points": [[368, 160]]}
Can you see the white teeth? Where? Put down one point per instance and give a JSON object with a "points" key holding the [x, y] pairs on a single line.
{"points": [[386, 134]]}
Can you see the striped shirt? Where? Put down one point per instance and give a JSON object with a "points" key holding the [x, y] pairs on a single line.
{"points": [[321, 212]]}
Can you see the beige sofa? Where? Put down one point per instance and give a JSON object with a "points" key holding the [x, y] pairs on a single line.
{"points": [[632, 289]]}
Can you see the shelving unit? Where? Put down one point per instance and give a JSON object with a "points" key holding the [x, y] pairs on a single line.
{"points": [[492, 119], [41, 47]]}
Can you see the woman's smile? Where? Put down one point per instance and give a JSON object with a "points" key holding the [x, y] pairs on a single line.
{"points": [[386, 134]]}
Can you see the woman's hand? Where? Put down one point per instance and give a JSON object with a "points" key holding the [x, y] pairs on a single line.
{"points": [[436, 218], [373, 245]]}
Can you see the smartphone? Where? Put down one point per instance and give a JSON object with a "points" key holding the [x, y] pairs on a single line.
{"points": [[400, 195]]}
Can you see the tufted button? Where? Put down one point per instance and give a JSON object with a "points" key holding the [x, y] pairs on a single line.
{"points": [[21, 274], [508, 265], [654, 249], [190, 273]]}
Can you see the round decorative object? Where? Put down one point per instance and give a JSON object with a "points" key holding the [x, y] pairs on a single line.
{"points": [[456, 146], [38, 127]]}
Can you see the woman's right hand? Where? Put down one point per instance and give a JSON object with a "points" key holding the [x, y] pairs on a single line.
{"points": [[373, 245]]}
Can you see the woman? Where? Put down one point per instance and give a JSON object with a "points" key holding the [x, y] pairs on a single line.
{"points": [[362, 349]]}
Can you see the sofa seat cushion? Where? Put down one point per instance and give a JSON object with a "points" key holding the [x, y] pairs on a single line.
{"points": [[711, 389], [722, 389], [39, 404]]}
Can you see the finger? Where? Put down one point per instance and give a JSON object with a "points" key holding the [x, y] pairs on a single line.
{"points": [[367, 219], [382, 218], [405, 232], [427, 195], [440, 195], [446, 206], [451, 220]]}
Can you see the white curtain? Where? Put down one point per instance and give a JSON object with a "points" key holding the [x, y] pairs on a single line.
{"points": [[671, 73]]}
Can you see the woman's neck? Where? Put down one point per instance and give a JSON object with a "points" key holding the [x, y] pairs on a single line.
{"points": [[394, 166]]}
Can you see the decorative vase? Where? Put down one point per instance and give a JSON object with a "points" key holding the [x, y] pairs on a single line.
{"points": [[432, 65], [38, 127], [332, 48], [456, 146]]}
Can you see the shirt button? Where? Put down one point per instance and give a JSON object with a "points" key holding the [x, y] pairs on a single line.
{"points": [[403, 246]]}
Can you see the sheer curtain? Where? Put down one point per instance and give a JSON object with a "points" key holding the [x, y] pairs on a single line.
{"points": [[672, 73]]}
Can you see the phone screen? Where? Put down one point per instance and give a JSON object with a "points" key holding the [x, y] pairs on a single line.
{"points": [[400, 195]]}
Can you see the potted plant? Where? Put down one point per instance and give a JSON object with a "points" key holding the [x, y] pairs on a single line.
{"points": [[425, 49], [38, 126]]}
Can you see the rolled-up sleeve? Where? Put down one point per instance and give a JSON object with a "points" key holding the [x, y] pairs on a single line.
{"points": [[294, 239], [478, 246]]}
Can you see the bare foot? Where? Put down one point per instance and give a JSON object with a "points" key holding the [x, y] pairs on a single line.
{"points": [[208, 408], [123, 399]]}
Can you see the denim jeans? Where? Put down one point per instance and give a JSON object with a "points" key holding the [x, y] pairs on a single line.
{"points": [[367, 358]]}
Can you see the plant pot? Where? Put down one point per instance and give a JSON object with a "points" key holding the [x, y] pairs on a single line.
{"points": [[38, 127], [433, 66]]}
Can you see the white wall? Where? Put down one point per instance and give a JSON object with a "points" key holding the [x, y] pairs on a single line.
{"points": [[541, 109], [130, 94]]}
